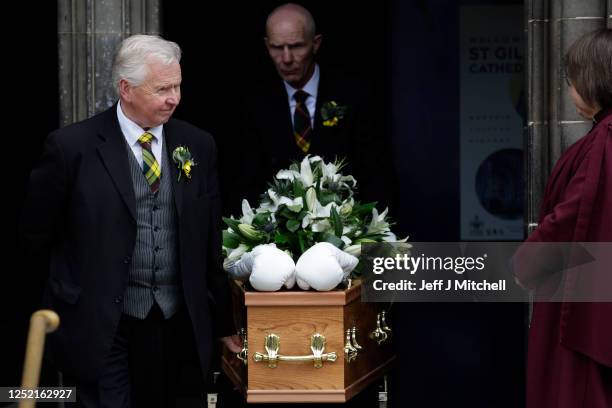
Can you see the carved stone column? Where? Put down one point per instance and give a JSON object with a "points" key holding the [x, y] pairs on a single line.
{"points": [[88, 34], [553, 124]]}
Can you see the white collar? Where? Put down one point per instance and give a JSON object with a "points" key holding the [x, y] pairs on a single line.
{"points": [[311, 86], [132, 131]]}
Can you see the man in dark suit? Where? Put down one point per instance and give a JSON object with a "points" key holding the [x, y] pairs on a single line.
{"points": [[126, 206], [309, 111]]}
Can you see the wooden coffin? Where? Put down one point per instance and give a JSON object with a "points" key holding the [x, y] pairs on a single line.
{"points": [[294, 323]]}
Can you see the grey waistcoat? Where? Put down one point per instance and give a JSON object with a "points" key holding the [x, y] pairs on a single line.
{"points": [[153, 273]]}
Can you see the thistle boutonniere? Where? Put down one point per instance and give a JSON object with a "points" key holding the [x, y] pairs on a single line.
{"points": [[182, 157], [332, 113]]}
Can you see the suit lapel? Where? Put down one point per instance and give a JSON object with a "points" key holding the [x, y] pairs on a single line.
{"points": [[321, 134], [285, 110], [173, 139], [321, 99], [114, 156], [285, 142]]}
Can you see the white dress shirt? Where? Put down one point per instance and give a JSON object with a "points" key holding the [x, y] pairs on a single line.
{"points": [[311, 89], [131, 131]]}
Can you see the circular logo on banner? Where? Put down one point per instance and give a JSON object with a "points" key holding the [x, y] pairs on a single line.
{"points": [[499, 184]]}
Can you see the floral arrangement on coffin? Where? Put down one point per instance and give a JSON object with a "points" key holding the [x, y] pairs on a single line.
{"points": [[309, 213]]}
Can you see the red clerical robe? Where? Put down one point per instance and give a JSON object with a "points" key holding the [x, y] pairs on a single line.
{"points": [[570, 343]]}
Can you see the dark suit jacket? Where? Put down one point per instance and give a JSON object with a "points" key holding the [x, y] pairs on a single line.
{"points": [[80, 210], [265, 141]]}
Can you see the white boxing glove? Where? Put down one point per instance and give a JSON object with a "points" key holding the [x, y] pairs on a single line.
{"points": [[239, 263], [323, 267], [272, 268]]}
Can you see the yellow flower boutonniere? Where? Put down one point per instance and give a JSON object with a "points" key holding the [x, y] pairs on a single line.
{"points": [[182, 157], [332, 113]]}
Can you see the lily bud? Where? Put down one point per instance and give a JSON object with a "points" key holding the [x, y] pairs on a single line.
{"points": [[311, 199], [250, 232], [347, 208]]}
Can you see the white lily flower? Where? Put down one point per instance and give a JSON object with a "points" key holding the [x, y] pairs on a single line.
{"points": [[378, 223], [329, 171], [317, 212], [354, 250], [351, 230], [391, 237], [294, 205], [290, 175], [247, 213], [234, 254], [306, 176], [348, 179], [321, 226], [311, 199]]}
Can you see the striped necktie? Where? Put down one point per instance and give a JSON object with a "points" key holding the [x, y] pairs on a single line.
{"points": [[302, 128], [150, 166]]}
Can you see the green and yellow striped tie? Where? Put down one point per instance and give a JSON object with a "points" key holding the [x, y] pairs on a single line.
{"points": [[150, 166], [302, 130]]}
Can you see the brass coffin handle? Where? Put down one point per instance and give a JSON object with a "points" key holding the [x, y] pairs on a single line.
{"points": [[350, 351], [379, 334], [243, 355], [354, 339], [383, 322], [272, 345]]}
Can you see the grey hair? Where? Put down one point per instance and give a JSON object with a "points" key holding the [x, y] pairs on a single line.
{"points": [[132, 58], [310, 28]]}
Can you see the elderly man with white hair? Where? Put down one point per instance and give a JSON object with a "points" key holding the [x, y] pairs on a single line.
{"points": [[126, 206]]}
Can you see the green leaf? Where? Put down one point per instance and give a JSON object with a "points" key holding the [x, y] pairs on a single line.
{"points": [[280, 238], [285, 212], [301, 241], [336, 222], [260, 219], [332, 239], [233, 224], [230, 240], [361, 210], [298, 189], [326, 197], [293, 225]]}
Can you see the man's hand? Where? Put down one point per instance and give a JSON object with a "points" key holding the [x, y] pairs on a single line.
{"points": [[232, 343]]}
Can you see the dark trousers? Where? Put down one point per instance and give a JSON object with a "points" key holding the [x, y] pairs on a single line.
{"points": [[142, 367]]}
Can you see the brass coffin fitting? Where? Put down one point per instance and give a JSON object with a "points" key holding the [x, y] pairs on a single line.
{"points": [[379, 335], [243, 355], [354, 339], [317, 345], [350, 351], [383, 323]]}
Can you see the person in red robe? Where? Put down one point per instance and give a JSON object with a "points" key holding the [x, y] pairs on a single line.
{"points": [[570, 343]]}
